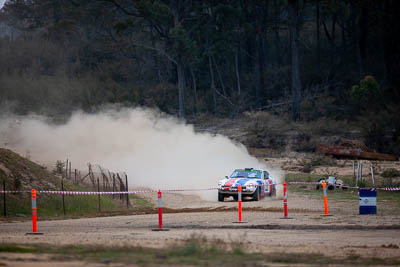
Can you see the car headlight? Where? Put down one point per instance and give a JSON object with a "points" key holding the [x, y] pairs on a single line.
{"points": [[251, 186]]}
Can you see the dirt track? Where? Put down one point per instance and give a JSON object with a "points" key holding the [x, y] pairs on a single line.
{"points": [[345, 233]]}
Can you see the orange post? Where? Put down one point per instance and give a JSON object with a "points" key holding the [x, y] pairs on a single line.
{"points": [[160, 222], [285, 211], [34, 212], [325, 198], [159, 210], [240, 202]]}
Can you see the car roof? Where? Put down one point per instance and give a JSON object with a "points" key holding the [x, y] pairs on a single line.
{"points": [[248, 170]]}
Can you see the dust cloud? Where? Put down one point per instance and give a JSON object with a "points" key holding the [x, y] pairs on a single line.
{"points": [[155, 150]]}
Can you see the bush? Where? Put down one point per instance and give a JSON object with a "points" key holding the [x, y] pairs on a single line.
{"points": [[307, 167], [362, 183], [367, 91], [59, 167], [388, 176], [390, 173]]}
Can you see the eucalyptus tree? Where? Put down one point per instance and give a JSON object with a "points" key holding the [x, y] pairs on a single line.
{"points": [[168, 20]]}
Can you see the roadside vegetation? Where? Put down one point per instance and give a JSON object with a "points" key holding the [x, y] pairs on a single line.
{"points": [[21, 174]]}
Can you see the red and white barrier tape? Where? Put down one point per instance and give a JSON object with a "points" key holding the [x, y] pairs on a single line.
{"points": [[13, 192], [389, 188], [54, 192], [351, 187], [303, 183]]}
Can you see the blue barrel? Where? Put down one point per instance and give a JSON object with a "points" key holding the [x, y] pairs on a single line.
{"points": [[367, 201]]}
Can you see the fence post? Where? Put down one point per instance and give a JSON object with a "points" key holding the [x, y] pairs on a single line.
{"points": [[372, 175], [4, 199], [127, 195], [113, 177], [358, 172], [62, 189], [66, 170], [98, 190]]}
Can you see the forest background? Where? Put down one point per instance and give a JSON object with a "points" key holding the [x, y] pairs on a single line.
{"points": [[305, 60]]}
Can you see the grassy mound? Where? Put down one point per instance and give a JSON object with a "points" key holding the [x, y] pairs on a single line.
{"points": [[21, 174]]}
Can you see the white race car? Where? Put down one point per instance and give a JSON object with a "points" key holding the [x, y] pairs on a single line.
{"points": [[255, 184]]}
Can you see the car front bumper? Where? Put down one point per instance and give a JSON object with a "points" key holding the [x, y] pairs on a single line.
{"points": [[234, 190]]}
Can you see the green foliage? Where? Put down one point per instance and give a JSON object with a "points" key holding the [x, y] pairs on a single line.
{"points": [[390, 173], [367, 91], [362, 183], [380, 132], [307, 167], [83, 54], [183, 44], [16, 249], [59, 167], [388, 176]]}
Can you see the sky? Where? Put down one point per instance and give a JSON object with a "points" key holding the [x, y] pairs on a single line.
{"points": [[2, 3]]}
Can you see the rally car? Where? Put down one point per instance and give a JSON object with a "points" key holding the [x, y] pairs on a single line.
{"points": [[254, 183]]}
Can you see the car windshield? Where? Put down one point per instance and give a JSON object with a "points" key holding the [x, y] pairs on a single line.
{"points": [[246, 174]]}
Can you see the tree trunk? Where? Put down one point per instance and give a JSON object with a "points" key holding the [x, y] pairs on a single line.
{"points": [[356, 37], [363, 41], [296, 83], [237, 70], [154, 54], [181, 87], [213, 90], [249, 39], [277, 37], [177, 11], [259, 66], [318, 40], [196, 101], [221, 81]]}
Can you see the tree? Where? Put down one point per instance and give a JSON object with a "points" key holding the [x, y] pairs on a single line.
{"points": [[168, 19], [294, 44]]}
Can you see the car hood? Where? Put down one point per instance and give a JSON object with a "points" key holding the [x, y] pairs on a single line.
{"points": [[236, 181]]}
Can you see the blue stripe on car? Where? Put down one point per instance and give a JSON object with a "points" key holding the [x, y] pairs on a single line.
{"points": [[242, 181]]}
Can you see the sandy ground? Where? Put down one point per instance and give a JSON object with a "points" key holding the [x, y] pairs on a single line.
{"points": [[343, 234]]}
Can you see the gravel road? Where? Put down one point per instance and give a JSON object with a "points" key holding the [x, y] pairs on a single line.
{"points": [[345, 233]]}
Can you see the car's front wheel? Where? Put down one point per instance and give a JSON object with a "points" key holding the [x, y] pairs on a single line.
{"points": [[273, 192], [256, 194], [220, 197]]}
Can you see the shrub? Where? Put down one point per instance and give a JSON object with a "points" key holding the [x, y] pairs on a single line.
{"points": [[59, 168], [366, 91], [390, 173], [362, 183], [307, 168]]}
